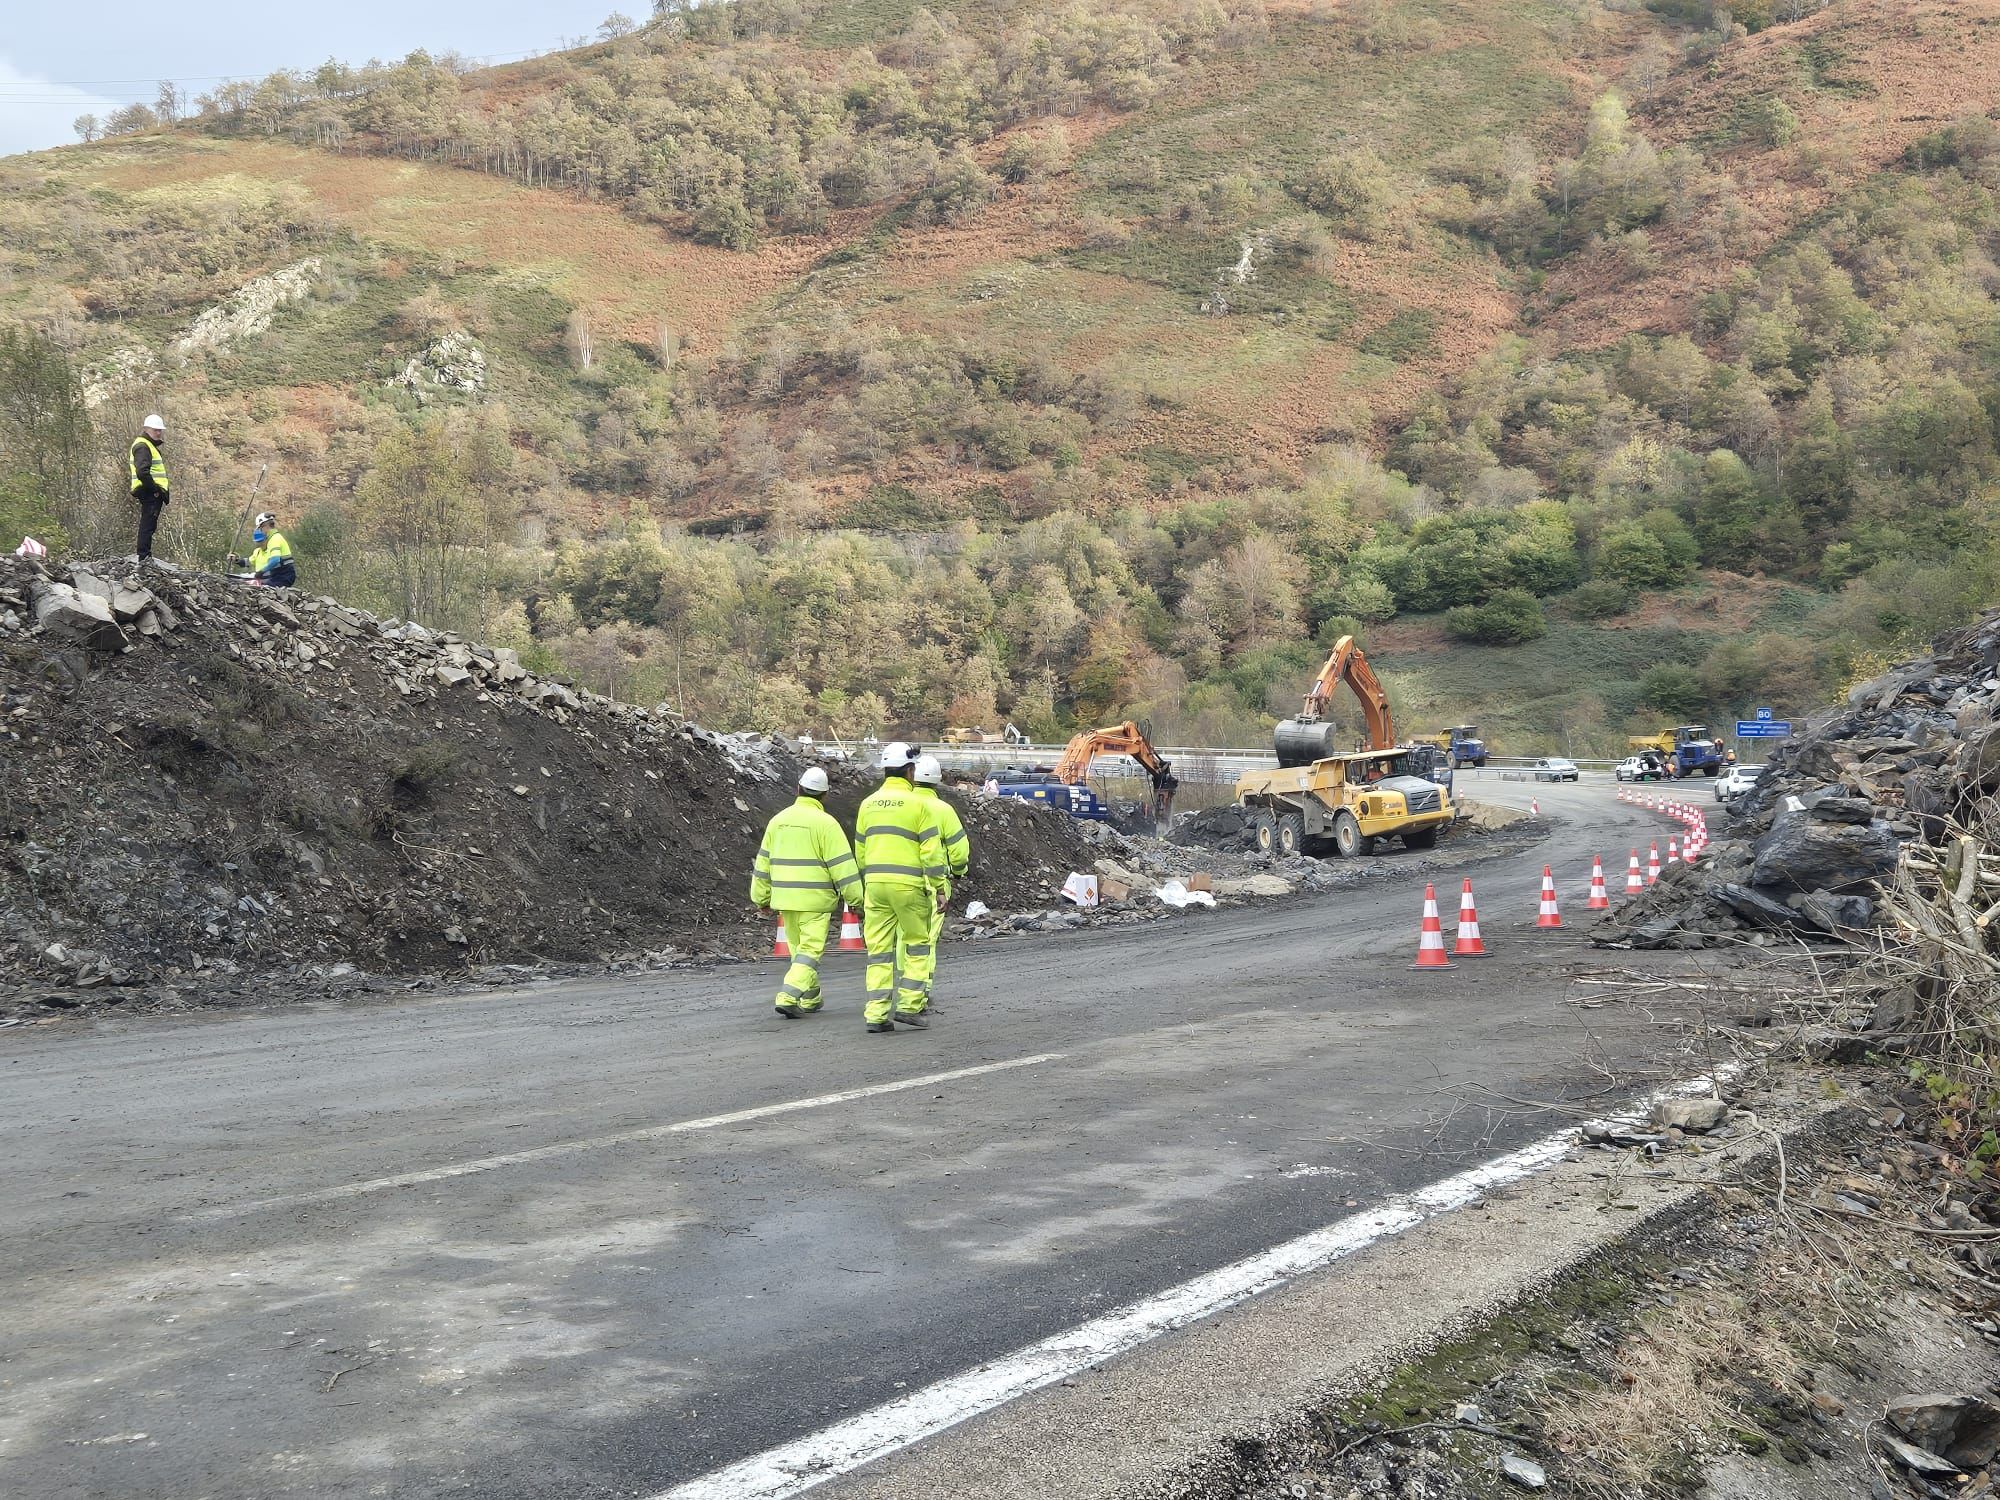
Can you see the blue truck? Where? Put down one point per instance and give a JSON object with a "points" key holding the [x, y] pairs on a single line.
{"points": [[1041, 787]]}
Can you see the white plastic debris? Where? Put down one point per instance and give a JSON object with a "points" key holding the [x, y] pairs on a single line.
{"points": [[1179, 896], [1081, 889], [974, 910]]}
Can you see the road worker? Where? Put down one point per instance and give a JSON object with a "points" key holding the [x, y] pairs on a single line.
{"points": [[902, 859], [148, 470], [804, 871], [957, 858], [270, 562]]}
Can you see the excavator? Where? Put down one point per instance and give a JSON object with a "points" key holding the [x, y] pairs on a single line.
{"points": [[1122, 739], [1319, 796]]}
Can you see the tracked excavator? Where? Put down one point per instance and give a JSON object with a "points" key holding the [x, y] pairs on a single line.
{"points": [[1122, 739], [1320, 799]]}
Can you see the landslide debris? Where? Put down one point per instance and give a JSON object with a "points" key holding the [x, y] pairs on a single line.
{"points": [[1913, 754], [201, 781]]}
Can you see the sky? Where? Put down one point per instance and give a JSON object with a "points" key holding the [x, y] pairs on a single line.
{"points": [[57, 62]]}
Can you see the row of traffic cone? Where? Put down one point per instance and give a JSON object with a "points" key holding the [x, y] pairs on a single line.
{"points": [[1431, 951], [1690, 817], [850, 935]]}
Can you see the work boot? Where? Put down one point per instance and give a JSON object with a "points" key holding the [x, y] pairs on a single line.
{"points": [[912, 1018], [788, 1011], [881, 1025]]}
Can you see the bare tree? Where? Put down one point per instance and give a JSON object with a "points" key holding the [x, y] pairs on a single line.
{"points": [[667, 344], [86, 127], [577, 339], [167, 103]]}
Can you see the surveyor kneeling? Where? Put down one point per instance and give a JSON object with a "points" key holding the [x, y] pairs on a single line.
{"points": [[270, 562]]}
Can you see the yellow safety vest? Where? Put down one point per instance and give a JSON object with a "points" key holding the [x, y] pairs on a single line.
{"points": [[275, 549], [156, 466], [951, 832], [804, 863], [896, 838]]}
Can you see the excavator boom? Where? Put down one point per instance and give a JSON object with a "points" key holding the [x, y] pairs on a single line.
{"points": [[1309, 737], [1120, 739]]}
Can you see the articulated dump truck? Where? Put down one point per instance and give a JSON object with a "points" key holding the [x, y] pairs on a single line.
{"points": [[1319, 799]]}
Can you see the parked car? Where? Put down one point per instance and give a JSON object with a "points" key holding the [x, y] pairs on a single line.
{"points": [[1735, 781], [1554, 768], [1640, 768]]}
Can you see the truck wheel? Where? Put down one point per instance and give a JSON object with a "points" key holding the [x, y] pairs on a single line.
{"points": [[1291, 833], [1421, 838], [1265, 828], [1710, 770], [1347, 835]]}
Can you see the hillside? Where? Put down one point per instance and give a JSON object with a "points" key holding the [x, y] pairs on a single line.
{"points": [[844, 365]]}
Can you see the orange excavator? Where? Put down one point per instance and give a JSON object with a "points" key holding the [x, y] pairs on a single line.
{"points": [[1121, 739], [1301, 741]]}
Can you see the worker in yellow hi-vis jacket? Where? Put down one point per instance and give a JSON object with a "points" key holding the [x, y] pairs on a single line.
{"points": [[902, 861], [804, 871], [957, 857]]}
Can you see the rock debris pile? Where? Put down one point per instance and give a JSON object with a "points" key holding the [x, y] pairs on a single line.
{"points": [[203, 782], [1913, 753]]}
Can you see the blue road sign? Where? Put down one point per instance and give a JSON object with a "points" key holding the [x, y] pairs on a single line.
{"points": [[1764, 715], [1762, 729]]}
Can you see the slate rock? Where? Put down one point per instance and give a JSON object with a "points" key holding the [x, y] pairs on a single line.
{"points": [[82, 619], [1961, 1429], [1698, 1116], [1800, 853], [1837, 914], [1524, 1472]]}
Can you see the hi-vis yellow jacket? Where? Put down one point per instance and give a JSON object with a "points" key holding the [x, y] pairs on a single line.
{"points": [[951, 832], [896, 839], [804, 863]]}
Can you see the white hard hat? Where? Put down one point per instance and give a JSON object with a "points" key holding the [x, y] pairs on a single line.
{"points": [[155, 420], [929, 772], [896, 755], [265, 518], [812, 779]]}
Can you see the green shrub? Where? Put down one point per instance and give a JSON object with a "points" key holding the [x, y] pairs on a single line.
{"points": [[1675, 690], [1509, 618], [1600, 599]]}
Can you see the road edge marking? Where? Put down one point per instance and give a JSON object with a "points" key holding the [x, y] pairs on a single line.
{"points": [[838, 1450], [617, 1138]]}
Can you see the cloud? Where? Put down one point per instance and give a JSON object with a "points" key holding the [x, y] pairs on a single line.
{"points": [[36, 114]]}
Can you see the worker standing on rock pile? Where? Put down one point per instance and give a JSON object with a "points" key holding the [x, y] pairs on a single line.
{"points": [[149, 479], [902, 860], [957, 856], [804, 870]]}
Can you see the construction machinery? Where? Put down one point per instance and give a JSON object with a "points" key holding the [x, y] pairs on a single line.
{"points": [[1461, 743], [970, 736], [1128, 739], [1320, 798], [1687, 749]]}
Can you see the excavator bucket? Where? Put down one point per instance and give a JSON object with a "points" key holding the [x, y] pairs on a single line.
{"points": [[1300, 742]]}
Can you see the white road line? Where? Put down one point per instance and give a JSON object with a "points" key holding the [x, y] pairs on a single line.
{"points": [[794, 1467], [619, 1138]]}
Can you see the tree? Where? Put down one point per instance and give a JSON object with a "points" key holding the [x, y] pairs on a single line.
{"points": [[47, 440], [425, 504], [86, 127], [1510, 618], [130, 120], [615, 25], [577, 339], [1675, 690], [167, 103]]}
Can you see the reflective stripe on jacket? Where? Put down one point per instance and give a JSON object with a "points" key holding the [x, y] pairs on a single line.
{"points": [[896, 838], [147, 467], [804, 863], [275, 550], [951, 832]]}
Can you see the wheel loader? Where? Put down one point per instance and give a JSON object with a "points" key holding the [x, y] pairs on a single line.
{"points": [[1320, 799]]}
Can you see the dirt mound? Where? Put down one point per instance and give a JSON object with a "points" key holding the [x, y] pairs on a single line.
{"points": [[200, 781], [1915, 753]]}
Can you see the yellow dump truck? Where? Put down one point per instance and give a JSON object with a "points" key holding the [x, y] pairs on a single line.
{"points": [[1344, 803]]}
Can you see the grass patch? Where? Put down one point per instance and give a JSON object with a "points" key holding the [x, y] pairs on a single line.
{"points": [[1406, 336], [897, 507]]}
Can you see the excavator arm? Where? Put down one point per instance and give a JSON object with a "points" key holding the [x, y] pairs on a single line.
{"points": [[1119, 739], [1307, 738]]}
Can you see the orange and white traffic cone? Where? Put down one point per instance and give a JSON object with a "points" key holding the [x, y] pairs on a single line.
{"points": [[779, 947], [1468, 944], [1673, 851], [1549, 916], [1534, 807], [1599, 897], [850, 932], [1634, 881], [1653, 862], [1430, 942]]}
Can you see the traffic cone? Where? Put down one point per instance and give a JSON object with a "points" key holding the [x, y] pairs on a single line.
{"points": [[1599, 897], [1549, 916], [779, 947], [850, 931], [1430, 942], [1468, 944], [1653, 862], [1673, 851], [1534, 807], [1634, 881]]}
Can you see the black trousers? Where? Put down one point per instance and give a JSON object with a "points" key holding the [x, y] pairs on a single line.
{"points": [[149, 520]]}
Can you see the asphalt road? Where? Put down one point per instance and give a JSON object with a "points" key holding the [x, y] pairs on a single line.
{"points": [[526, 1243]]}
